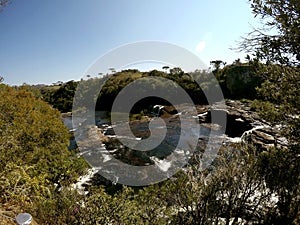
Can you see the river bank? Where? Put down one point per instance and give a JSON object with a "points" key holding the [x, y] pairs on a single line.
{"points": [[242, 125]]}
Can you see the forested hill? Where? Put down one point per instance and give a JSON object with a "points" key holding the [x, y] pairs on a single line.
{"points": [[237, 81]]}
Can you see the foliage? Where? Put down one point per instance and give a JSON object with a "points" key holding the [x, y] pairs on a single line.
{"points": [[281, 56], [32, 133], [282, 73], [280, 168], [128, 206], [34, 157], [278, 40], [111, 85], [231, 191], [62, 97], [241, 81], [59, 208], [241, 186], [237, 80]]}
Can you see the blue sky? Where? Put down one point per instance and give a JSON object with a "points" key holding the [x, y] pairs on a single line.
{"points": [[48, 41]]}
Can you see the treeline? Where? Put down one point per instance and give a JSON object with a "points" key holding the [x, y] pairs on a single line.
{"points": [[59, 96], [236, 81]]}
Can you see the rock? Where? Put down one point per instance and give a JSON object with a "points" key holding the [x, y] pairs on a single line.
{"points": [[264, 138], [168, 111], [242, 124], [108, 131], [239, 118], [241, 81]]}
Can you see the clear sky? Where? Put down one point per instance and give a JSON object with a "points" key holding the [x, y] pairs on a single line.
{"points": [[57, 40]]}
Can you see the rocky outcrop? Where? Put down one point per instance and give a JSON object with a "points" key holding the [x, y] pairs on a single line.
{"points": [[241, 81], [264, 138], [242, 125], [245, 125]]}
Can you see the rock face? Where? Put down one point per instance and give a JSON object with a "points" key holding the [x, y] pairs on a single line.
{"points": [[242, 124], [241, 81], [245, 123], [264, 138]]}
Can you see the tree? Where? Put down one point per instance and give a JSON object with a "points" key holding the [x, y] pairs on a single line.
{"points": [[61, 98], [276, 56], [128, 206], [231, 190], [237, 62], [34, 156], [165, 68], [113, 70], [281, 54], [282, 18], [176, 71], [217, 64]]}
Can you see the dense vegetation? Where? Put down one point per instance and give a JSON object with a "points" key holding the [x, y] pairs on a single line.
{"points": [[59, 96], [281, 103], [34, 158], [249, 187], [237, 81]]}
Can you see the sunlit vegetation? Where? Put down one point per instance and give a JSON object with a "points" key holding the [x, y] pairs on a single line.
{"points": [[34, 157], [60, 96]]}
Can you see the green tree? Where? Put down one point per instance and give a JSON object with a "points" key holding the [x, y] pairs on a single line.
{"points": [[101, 208], [165, 68], [217, 64], [276, 45], [278, 40], [34, 157], [176, 71], [62, 97], [229, 192]]}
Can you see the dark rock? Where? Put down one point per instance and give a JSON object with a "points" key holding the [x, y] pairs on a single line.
{"points": [[109, 131]]}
